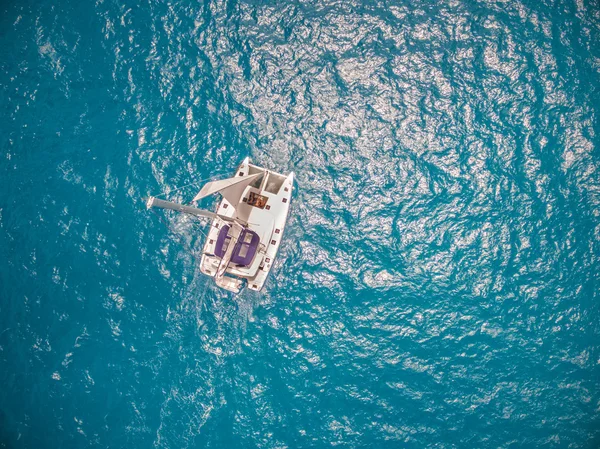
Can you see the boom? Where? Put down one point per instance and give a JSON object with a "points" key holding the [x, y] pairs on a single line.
{"points": [[162, 204]]}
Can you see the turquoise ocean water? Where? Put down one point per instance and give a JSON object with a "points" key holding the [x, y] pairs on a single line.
{"points": [[439, 282]]}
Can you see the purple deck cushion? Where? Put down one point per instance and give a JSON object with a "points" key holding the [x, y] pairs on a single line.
{"points": [[222, 241], [244, 250]]}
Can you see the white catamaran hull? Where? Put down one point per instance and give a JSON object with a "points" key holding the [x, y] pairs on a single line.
{"points": [[264, 205], [247, 227]]}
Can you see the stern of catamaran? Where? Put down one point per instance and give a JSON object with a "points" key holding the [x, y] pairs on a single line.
{"points": [[229, 283]]}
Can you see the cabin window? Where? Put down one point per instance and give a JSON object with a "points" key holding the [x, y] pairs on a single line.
{"points": [[225, 244], [243, 252]]}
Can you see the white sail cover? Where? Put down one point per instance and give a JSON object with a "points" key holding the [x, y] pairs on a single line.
{"points": [[231, 188]]}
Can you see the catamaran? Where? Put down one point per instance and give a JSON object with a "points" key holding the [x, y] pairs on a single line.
{"points": [[247, 227]]}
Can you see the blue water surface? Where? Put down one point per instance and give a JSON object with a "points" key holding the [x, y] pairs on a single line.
{"points": [[439, 280]]}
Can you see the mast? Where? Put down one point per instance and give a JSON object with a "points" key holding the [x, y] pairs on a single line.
{"points": [[162, 204]]}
